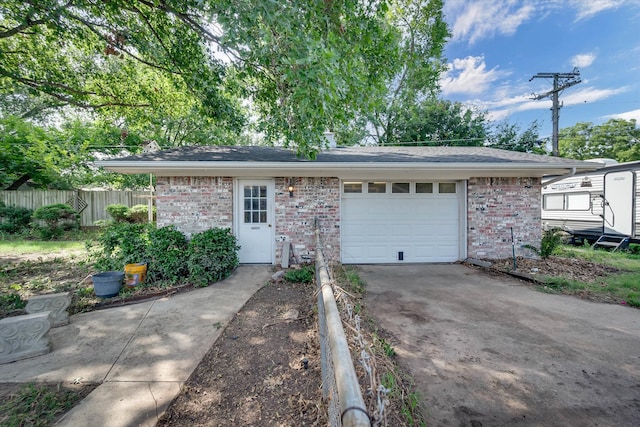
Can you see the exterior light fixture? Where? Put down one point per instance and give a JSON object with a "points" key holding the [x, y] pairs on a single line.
{"points": [[290, 188]]}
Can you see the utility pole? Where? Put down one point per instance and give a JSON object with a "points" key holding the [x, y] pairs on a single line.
{"points": [[561, 81]]}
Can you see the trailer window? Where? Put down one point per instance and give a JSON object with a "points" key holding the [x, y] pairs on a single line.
{"points": [[553, 202], [578, 201], [567, 201]]}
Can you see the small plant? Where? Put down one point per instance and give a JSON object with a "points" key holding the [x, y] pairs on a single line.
{"points": [[551, 241], [52, 220], [212, 256], [139, 214], [300, 275], [118, 212], [387, 348], [9, 302]]}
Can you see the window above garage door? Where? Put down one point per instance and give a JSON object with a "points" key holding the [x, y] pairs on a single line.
{"points": [[356, 188]]}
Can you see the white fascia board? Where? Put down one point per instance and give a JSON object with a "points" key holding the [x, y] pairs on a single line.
{"points": [[342, 170]]}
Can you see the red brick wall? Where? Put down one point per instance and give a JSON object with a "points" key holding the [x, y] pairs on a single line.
{"points": [[194, 204], [494, 206], [312, 198]]}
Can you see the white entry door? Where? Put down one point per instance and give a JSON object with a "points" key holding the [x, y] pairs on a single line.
{"points": [[254, 216]]}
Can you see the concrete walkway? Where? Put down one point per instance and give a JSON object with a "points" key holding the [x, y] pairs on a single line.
{"points": [[141, 353]]}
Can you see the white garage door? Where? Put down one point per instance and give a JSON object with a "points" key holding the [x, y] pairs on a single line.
{"points": [[388, 222]]}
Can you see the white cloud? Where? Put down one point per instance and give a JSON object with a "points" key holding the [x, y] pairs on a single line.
{"points": [[583, 60], [501, 108], [589, 8], [468, 76], [474, 20], [629, 115]]}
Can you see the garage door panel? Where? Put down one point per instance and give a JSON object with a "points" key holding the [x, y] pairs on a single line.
{"points": [[425, 228]]}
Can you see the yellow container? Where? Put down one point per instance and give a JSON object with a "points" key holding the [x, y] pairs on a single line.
{"points": [[134, 274]]}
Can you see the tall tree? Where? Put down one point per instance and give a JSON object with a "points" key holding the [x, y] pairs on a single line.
{"points": [[438, 122], [616, 139], [305, 65], [420, 58], [509, 136]]}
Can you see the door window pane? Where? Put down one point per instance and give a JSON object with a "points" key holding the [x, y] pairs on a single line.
{"points": [[400, 187], [447, 187], [255, 204], [377, 187], [424, 187]]}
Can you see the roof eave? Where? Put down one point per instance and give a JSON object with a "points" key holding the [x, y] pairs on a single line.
{"points": [[458, 170]]}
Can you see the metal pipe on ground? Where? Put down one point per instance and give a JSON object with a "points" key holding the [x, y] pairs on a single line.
{"points": [[353, 412]]}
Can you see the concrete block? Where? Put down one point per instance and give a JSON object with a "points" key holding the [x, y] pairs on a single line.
{"points": [[24, 336], [57, 304]]}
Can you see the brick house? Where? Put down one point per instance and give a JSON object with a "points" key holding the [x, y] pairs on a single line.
{"points": [[373, 204]]}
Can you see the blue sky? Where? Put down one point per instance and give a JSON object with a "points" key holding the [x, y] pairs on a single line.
{"points": [[498, 45]]}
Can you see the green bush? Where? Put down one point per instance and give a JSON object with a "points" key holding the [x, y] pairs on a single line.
{"points": [[167, 254], [52, 220], [212, 256], [14, 219], [10, 302], [551, 240], [119, 244], [300, 275], [118, 212], [140, 214]]}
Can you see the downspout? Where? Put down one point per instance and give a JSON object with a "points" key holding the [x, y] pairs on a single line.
{"points": [[560, 178]]}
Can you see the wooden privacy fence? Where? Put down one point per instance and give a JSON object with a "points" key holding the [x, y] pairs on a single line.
{"points": [[94, 202]]}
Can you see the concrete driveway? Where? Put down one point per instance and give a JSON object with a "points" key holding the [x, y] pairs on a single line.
{"points": [[491, 351]]}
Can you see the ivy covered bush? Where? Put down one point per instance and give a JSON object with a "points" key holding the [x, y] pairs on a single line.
{"points": [[118, 244], [14, 219], [51, 221], [212, 256], [167, 254]]}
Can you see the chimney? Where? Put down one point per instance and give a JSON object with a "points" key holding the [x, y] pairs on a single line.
{"points": [[331, 139]]}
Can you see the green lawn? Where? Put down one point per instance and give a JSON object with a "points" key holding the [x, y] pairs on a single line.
{"points": [[623, 287], [24, 247]]}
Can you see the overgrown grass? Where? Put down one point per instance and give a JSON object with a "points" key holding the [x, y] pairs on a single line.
{"points": [[24, 247], [37, 405], [622, 287], [619, 259]]}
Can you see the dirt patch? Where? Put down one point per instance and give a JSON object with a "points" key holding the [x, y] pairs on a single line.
{"points": [[255, 374], [569, 268]]}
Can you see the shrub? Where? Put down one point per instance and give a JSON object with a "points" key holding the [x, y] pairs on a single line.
{"points": [[10, 302], [140, 214], [167, 254], [212, 256], [551, 240], [118, 212], [52, 220], [14, 219], [119, 244], [301, 275]]}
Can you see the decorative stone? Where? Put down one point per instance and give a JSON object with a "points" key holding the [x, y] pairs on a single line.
{"points": [[55, 303], [24, 336]]}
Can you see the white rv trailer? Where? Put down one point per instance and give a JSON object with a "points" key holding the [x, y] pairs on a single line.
{"points": [[604, 202]]}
